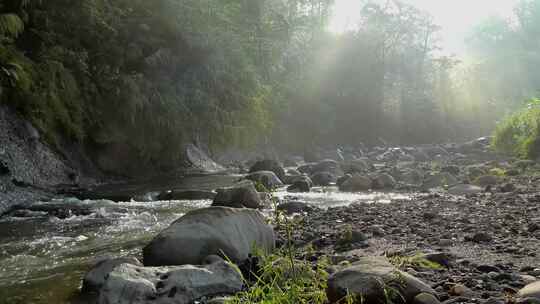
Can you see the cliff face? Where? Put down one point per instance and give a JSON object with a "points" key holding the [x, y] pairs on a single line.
{"points": [[28, 167]]}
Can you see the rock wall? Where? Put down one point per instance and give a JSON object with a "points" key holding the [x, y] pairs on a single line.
{"points": [[28, 167]]}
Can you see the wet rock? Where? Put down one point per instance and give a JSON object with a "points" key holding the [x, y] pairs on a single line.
{"points": [[369, 277], [482, 237], [384, 181], [267, 178], [63, 209], [24, 213], [460, 290], [441, 258], [215, 230], [425, 298], [130, 284], [240, 195], [530, 291], [356, 183], [299, 186], [294, 207], [508, 187], [95, 278], [323, 178], [465, 189], [487, 180], [186, 195], [487, 268], [269, 165]]}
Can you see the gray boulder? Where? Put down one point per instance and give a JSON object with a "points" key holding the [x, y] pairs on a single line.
{"points": [[210, 231], [269, 165], [384, 181], [370, 278], [323, 178], [130, 284], [240, 195], [530, 291], [95, 278], [267, 178], [356, 183], [299, 186], [487, 180]]}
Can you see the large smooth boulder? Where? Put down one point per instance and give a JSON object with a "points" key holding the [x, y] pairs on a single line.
{"points": [[240, 195], [465, 189], [384, 181], [323, 178], [269, 165], [224, 231], [369, 279], [267, 178], [130, 284], [356, 183], [530, 291], [95, 278]]}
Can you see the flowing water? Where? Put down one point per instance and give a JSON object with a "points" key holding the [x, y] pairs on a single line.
{"points": [[43, 258]]}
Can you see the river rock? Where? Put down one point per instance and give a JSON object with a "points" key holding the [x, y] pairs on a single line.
{"points": [[530, 291], [299, 186], [465, 189], [215, 230], [425, 298], [327, 165], [240, 195], [384, 181], [269, 165], [95, 278], [186, 195], [369, 277], [130, 284], [267, 178], [487, 180], [356, 183], [323, 178]]}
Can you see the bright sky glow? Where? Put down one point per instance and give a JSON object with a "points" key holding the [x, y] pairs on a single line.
{"points": [[455, 17]]}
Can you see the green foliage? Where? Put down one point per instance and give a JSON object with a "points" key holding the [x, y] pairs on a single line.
{"points": [[518, 134], [11, 25], [416, 261], [284, 282]]}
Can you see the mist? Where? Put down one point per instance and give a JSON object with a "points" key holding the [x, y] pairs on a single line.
{"points": [[269, 151]]}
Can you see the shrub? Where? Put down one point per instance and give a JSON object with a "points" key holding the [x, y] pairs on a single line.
{"points": [[519, 133]]}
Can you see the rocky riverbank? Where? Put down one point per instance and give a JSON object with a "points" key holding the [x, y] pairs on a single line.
{"points": [[468, 232]]}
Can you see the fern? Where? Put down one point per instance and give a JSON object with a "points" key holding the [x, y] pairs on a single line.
{"points": [[11, 25]]}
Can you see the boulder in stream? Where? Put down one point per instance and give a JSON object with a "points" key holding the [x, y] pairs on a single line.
{"points": [[267, 178], [131, 284], [229, 232], [269, 165], [241, 195]]}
